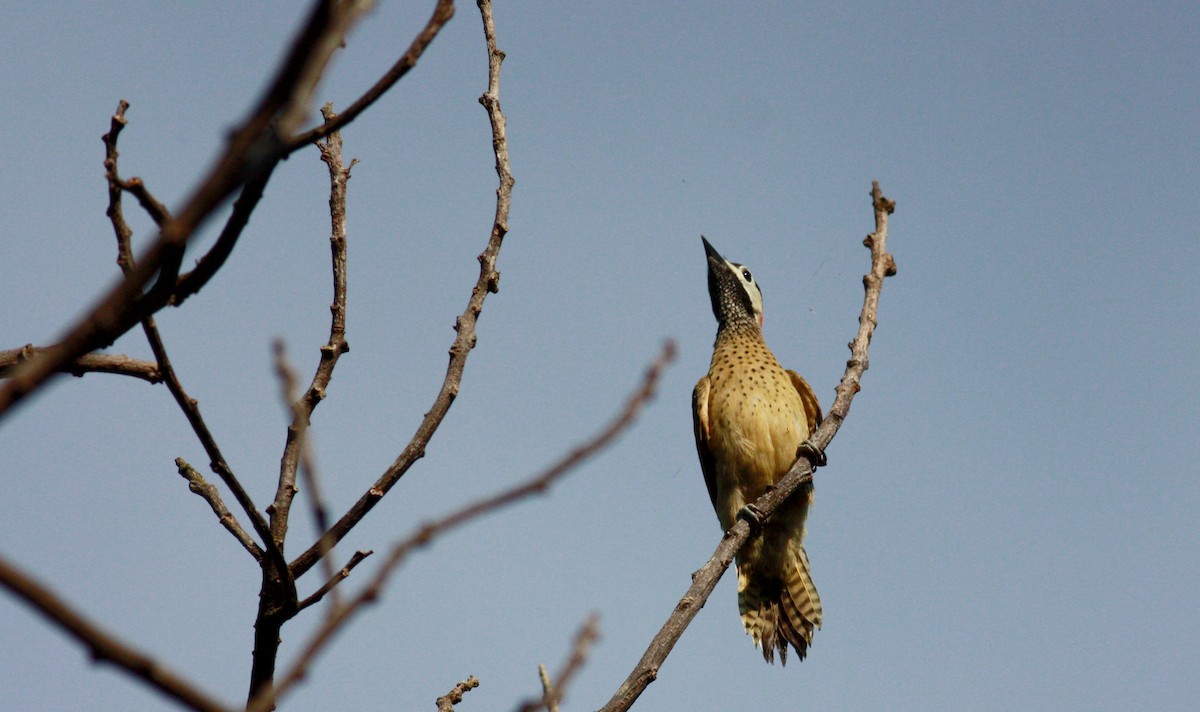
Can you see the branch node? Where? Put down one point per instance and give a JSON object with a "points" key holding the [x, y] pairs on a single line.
{"points": [[879, 202], [446, 702]]}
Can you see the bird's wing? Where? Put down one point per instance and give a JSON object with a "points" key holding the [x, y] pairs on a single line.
{"points": [[700, 423], [812, 408]]}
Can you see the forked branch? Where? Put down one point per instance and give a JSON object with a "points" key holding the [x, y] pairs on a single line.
{"points": [[425, 534], [163, 366], [253, 151], [464, 325]]}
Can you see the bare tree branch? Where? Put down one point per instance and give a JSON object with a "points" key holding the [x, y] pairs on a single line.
{"points": [[154, 280], [302, 455], [208, 265], [278, 598], [99, 363], [115, 213], [553, 692], [188, 284], [301, 408], [252, 153], [88, 363], [157, 211], [103, 646], [446, 702], [704, 580], [191, 410], [189, 406], [489, 280], [426, 533]]}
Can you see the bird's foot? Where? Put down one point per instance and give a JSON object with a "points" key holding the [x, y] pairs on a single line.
{"points": [[814, 454], [752, 516]]}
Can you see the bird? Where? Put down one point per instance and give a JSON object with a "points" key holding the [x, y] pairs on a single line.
{"points": [[752, 418]]}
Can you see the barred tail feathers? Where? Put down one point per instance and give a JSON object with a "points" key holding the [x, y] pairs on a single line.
{"points": [[779, 610]]}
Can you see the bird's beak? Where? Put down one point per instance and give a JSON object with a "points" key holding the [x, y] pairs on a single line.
{"points": [[711, 251]]}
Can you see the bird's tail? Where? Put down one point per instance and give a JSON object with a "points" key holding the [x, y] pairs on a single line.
{"points": [[779, 604]]}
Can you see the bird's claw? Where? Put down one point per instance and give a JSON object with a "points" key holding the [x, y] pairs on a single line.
{"points": [[753, 516], [815, 455]]}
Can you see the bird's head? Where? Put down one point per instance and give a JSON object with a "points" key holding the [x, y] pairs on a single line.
{"points": [[736, 298]]}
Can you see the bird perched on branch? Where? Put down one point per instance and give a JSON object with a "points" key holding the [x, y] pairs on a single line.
{"points": [[751, 418]]}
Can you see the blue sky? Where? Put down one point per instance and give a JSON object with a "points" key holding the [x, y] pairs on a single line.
{"points": [[1008, 519]]}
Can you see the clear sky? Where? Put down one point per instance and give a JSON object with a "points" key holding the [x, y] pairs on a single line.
{"points": [[1009, 516]]}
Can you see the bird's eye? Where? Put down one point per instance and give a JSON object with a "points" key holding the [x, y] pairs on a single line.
{"points": [[746, 275]]}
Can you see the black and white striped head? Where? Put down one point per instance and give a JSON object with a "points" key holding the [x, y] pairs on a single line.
{"points": [[736, 298]]}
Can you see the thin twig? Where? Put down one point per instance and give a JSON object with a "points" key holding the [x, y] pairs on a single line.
{"points": [[200, 486], [554, 692], [115, 212], [299, 449], [155, 209], [446, 702], [339, 576], [488, 282], [296, 451], [704, 580], [88, 363], [427, 533], [547, 689], [102, 645]]}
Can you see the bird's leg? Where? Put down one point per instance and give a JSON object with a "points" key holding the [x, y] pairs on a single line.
{"points": [[808, 449]]}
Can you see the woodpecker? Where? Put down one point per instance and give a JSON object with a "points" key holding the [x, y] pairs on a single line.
{"points": [[751, 418]]}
